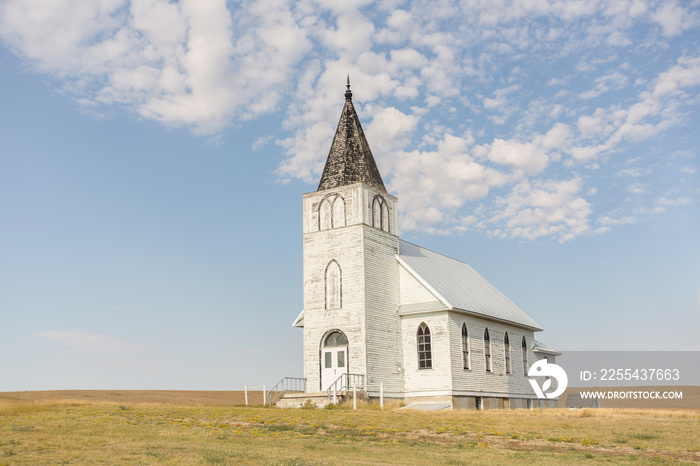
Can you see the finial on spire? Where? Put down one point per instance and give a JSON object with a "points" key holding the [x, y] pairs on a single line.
{"points": [[348, 92]]}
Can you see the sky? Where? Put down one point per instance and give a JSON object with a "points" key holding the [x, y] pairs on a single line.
{"points": [[153, 155]]}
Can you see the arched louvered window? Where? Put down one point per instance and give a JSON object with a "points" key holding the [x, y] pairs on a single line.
{"points": [[425, 355], [380, 213], [506, 345], [331, 212], [487, 350], [524, 348], [338, 212], [465, 347], [334, 298]]}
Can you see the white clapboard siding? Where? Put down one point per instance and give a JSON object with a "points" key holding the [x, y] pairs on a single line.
{"points": [[382, 306], [413, 291], [476, 380], [384, 348], [434, 381], [369, 273]]}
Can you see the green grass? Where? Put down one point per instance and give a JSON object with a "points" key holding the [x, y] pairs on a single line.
{"points": [[80, 432]]}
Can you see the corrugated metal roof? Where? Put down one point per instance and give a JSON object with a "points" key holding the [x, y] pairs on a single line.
{"points": [[460, 286]]}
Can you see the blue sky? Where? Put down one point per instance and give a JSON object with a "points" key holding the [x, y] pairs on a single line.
{"points": [[154, 155]]}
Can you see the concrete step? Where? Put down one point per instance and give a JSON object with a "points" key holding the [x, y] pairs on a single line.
{"points": [[297, 400]]}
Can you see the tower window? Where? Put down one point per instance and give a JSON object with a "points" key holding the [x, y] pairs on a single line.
{"points": [[425, 355], [333, 286], [380, 213], [487, 350], [465, 347], [506, 345], [331, 212]]}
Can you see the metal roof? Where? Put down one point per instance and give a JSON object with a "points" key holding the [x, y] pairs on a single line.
{"points": [[459, 286], [542, 348]]}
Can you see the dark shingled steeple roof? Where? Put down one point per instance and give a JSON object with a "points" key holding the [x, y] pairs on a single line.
{"points": [[350, 159]]}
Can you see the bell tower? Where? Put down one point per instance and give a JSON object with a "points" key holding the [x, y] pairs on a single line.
{"points": [[351, 282]]}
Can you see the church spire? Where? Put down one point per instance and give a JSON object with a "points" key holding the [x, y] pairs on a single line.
{"points": [[350, 159]]}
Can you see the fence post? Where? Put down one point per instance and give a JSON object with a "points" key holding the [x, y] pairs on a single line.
{"points": [[381, 395], [264, 394], [245, 390], [354, 397]]}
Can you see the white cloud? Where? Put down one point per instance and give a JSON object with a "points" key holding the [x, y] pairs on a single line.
{"points": [[635, 172], [92, 344], [527, 156], [673, 18], [457, 99], [637, 188], [391, 129], [543, 208]]}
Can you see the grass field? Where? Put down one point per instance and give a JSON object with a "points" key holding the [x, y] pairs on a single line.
{"points": [[97, 429]]}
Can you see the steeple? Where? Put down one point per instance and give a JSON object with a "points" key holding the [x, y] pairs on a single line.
{"points": [[350, 159]]}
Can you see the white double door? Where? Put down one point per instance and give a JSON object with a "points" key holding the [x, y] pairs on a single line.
{"points": [[334, 363]]}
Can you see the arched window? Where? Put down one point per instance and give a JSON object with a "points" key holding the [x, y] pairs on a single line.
{"points": [[524, 356], [487, 349], [335, 338], [325, 215], [338, 212], [380, 214], [465, 347], [425, 358], [506, 345], [331, 212], [333, 286]]}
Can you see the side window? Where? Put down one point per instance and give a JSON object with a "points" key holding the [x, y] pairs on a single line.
{"points": [[425, 356], [506, 345], [465, 347], [333, 286], [331, 212], [487, 349], [380, 213], [524, 356]]}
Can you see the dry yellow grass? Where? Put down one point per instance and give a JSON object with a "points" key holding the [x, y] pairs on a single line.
{"points": [[79, 431]]}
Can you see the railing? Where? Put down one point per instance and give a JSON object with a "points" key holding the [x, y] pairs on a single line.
{"points": [[346, 382], [287, 384]]}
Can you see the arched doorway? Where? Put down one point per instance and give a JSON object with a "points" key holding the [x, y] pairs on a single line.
{"points": [[334, 358]]}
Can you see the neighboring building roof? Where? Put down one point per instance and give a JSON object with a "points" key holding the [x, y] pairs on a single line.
{"points": [[350, 159], [542, 348], [459, 286]]}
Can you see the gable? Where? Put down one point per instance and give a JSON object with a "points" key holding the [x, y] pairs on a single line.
{"points": [[413, 291], [459, 286]]}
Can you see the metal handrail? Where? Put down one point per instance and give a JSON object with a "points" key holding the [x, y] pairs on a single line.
{"points": [[287, 384], [346, 382]]}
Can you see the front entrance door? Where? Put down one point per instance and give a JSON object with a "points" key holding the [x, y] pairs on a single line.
{"points": [[334, 358], [334, 365]]}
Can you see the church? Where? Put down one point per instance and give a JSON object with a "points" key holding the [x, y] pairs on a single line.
{"points": [[391, 318]]}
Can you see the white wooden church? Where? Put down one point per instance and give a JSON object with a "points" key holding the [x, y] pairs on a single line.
{"points": [[380, 312]]}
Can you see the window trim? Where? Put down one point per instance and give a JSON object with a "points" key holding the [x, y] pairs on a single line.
{"points": [[506, 346], [340, 286], [424, 341], [466, 361], [488, 356], [331, 199], [380, 202]]}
